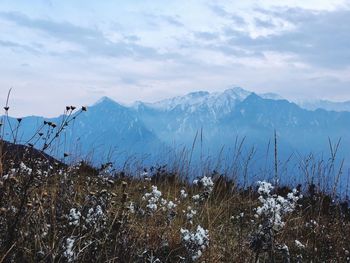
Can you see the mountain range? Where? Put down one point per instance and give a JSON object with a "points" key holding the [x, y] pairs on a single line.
{"points": [[204, 123]]}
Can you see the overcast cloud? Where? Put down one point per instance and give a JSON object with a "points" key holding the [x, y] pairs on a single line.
{"points": [[55, 53]]}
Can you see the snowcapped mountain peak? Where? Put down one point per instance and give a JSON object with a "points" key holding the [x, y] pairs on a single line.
{"points": [[215, 103], [200, 98], [183, 101], [237, 93]]}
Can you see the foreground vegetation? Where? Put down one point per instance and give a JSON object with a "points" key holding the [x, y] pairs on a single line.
{"points": [[54, 212], [51, 212]]}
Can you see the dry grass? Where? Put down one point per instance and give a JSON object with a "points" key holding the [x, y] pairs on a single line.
{"points": [[36, 201]]}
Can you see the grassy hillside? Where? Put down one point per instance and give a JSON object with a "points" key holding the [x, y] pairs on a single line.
{"points": [[51, 212]]}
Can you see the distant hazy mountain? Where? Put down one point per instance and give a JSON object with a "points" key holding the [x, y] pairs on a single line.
{"points": [[218, 119], [106, 130], [325, 104]]}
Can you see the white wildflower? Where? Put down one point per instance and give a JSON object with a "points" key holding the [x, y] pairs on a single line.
{"points": [[196, 197], [153, 199], [69, 253], [183, 194], [206, 182], [95, 217], [195, 242], [171, 205], [265, 188], [299, 244], [274, 206], [26, 169], [74, 217], [190, 214]]}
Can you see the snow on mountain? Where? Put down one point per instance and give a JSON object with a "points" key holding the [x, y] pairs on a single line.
{"points": [[215, 100], [200, 97], [190, 99], [221, 116]]}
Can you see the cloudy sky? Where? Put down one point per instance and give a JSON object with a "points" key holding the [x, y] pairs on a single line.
{"points": [[58, 52]]}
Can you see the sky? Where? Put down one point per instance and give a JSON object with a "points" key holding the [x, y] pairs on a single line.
{"points": [[61, 52]]}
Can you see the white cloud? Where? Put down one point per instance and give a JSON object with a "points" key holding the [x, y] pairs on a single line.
{"points": [[74, 52]]}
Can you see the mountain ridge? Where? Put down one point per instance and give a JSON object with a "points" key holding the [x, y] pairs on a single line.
{"points": [[150, 128]]}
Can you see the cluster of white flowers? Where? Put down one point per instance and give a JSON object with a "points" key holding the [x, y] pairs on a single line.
{"points": [[25, 168], [69, 252], [207, 185], [183, 194], [11, 174], [274, 206], [265, 188], [171, 205], [92, 218], [74, 217], [206, 182], [155, 201], [190, 214], [196, 198], [94, 214], [153, 198], [195, 242], [95, 218]]}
